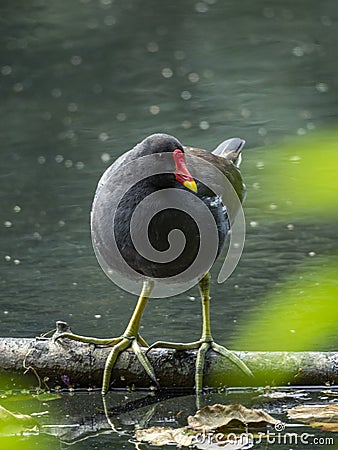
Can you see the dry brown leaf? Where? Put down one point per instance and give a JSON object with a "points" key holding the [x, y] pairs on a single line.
{"points": [[202, 424], [325, 426], [218, 416], [165, 435], [324, 417], [314, 413]]}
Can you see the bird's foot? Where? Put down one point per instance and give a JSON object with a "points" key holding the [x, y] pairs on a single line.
{"points": [[118, 345], [97, 341], [203, 346]]}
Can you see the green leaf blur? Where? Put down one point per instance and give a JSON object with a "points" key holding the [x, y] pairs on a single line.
{"points": [[301, 312], [302, 176]]}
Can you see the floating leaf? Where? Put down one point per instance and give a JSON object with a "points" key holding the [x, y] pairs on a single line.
{"points": [[11, 423], [165, 436], [324, 417], [219, 416], [204, 424], [186, 437], [325, 426]]}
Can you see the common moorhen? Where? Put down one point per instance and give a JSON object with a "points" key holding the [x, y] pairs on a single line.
{"points": [[157, 170]]}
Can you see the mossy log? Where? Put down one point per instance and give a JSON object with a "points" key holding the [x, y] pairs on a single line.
{"points": [[66, 364]]}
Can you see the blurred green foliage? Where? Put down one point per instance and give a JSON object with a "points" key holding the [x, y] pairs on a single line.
{"points": [[301, 311], [302, 176]]}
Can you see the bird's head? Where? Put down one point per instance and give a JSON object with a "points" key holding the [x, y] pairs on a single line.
{"points": [[160, 143]]}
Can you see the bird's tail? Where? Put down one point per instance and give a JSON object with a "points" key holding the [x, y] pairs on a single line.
{"points": [[231, 149]]}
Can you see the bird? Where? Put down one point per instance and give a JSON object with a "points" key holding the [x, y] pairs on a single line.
{"points": [[160, 169]]}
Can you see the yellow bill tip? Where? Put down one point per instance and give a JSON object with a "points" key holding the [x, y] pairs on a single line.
{"points": [[191, 185]]}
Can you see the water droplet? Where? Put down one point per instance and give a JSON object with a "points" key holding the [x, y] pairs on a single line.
{"points": [[152, 47], [18, 87], [254, 224], [97, 316], [79, 165], [76, 60], [290, 226], [17, 262], [298, 51], [41, 159], [59, 158], [186, 124], [72, 107], [56, 93], [245, 113], [204, 125], [260, 165], [201, 7], [273, 206], [322, 87], [186, 95], [121, 117], [7, 258], [154, 109], [6, 70], [193, 77], [103, 137], [312, 253], [167, 72], [16, 209], [105, 157], [68, 163]]}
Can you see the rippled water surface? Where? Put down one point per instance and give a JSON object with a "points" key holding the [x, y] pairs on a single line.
{"points": [[83, 81]]}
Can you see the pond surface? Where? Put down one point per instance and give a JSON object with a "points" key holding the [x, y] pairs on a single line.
{"points": [[83, 421], [83, 81]]}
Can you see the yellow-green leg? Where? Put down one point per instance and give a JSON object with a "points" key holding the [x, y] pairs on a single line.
{"points": [[206, 342], [130, 338]]}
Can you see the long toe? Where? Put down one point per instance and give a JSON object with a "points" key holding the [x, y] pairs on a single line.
{"points": [[142, 357], [175, 345], [88, 339], [124, 343], [233, 358], [110, 362]]}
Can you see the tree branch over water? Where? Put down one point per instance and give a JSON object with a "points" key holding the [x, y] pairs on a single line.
{"points": [[68, 364]]}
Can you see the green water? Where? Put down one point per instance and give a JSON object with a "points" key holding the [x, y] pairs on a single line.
{"points": [[83, 81]]}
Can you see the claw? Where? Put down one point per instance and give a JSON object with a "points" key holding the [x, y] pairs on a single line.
{"points": [[144, 361]]}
